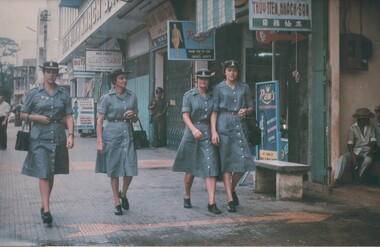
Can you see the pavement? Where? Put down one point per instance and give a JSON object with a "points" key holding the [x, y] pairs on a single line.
{"points": [[82, 208]]}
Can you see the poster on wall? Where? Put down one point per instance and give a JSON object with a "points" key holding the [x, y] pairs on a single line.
{"points": [[84, 113], [267, 115], [185, 44]]}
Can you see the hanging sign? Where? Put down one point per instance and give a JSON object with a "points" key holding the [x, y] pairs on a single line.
{"points": [[285, 15], [265, 37], [185, 44], [268, 117], [103, 61]]}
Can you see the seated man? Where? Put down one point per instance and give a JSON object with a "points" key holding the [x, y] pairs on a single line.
{"points": [[361, 144]]}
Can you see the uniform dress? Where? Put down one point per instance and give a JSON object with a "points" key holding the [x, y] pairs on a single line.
{"points": [[235, 154], [119, 157], [48, 154], [198, 157]]}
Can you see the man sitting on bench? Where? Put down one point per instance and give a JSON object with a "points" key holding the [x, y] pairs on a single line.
{"points": [[361, 144]]}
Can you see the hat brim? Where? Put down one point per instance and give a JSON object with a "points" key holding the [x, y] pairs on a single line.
{"points": [[52, 68], [364, 116], [206, 76]]}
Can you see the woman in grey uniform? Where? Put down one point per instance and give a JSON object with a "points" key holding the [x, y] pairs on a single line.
{"points": [[196, 156], [232, 104], [48, 107], [115, 143]]}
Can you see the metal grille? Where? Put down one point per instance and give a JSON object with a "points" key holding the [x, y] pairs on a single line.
{"points": [[178, 82]]}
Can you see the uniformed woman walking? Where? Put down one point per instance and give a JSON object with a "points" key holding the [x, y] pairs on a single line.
{"points": [[115, 144], [196, 156], [48, 107], [232, 104]]}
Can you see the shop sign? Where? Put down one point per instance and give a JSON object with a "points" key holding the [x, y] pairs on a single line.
{"points": [[185, 44], [79, 64], [268, 117], [103, 61], [156, 22], [280, 15], [83, 113]]}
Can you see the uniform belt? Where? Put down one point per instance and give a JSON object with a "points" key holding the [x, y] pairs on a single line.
{"points": [[230, 112], [56, 121], [117, 120]]}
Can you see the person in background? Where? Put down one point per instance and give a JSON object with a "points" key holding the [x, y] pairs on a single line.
{"points": [[157, 107], [232, 104], [196, 156], [377, 133], [49, 108], [115, 143], [361, 144], [5, 109]]}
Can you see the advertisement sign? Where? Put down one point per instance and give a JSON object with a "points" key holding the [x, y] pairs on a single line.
{"points": [[280, 15], [156, 22], [185, 44], [268, 118], [84, 113], [103, 61]]}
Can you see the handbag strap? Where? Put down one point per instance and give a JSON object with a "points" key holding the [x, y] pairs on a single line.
{"points": [[26, 122], [141, 127]]}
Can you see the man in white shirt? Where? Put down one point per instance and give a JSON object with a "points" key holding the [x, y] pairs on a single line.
{"points": [[361, 144], [4, 113]]}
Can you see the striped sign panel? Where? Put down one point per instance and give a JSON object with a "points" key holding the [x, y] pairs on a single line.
{"points": [[214, 13]]}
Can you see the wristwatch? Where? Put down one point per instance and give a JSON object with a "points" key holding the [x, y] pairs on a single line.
{"points": [[71, 134]]}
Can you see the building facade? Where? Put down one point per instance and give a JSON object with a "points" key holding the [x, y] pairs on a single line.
{"points": [[313, 84]]}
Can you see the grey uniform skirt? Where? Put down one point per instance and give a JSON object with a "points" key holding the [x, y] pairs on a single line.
{"points": [[119, 157], [198, 157], [235, 154]]}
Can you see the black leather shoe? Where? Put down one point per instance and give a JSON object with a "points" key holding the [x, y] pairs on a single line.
{"points": [[124, 201], [47, 218], [231, 207], [213, 209], [42, 211], [235, 198], [118, 210], [186, 203]]}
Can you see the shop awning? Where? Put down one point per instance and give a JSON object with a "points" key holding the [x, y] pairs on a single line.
{"points": [[214, 13]]}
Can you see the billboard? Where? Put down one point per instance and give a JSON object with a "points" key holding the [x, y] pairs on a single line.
{"points": [[103, 61], [185, 44]]}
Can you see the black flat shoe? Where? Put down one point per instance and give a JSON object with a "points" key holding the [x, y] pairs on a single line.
{"points": [[213, 209], [186, 203], [231, 207], [235, 198], [47, 218], [42, 211], [118, 210], [124, 201]]}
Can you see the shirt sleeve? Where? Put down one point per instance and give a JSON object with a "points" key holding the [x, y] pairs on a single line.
{"points": [[351, 136], [103, 106], [28, 104], [186, 105], [216, 99], [69, 108]]}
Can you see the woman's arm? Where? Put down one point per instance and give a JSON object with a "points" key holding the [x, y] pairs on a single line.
{"points": [[194, 130], [70, 129], [214, 133], [99, 132]]}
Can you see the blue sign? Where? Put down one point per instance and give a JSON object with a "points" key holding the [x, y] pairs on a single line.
{"points": [[185, 44], [268, 118]]}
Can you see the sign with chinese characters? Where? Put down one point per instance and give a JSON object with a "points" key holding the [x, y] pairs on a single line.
{"points": [[185, 44], [268, 118], [280, 15]]}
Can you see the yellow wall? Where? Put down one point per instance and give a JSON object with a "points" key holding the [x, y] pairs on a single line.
{"points": [[359, 88]]}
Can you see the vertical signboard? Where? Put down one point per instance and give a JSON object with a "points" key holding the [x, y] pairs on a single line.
{"points": [[84, 113], [268, 118]]}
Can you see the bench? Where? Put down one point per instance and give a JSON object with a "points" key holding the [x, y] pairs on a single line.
{"points": [[284, 178]]}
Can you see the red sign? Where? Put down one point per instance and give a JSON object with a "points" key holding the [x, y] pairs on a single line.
{"points": [[265, 37]]}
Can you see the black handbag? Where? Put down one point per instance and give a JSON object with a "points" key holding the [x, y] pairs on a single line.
{"points": [[140, 138], [254, 132], [23, 137]]}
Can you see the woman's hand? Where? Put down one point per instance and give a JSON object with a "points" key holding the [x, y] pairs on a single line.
{"points": [[100, 147], [197, 134], [243, 112], [129, 114], [215, 138], [70, 142]]}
